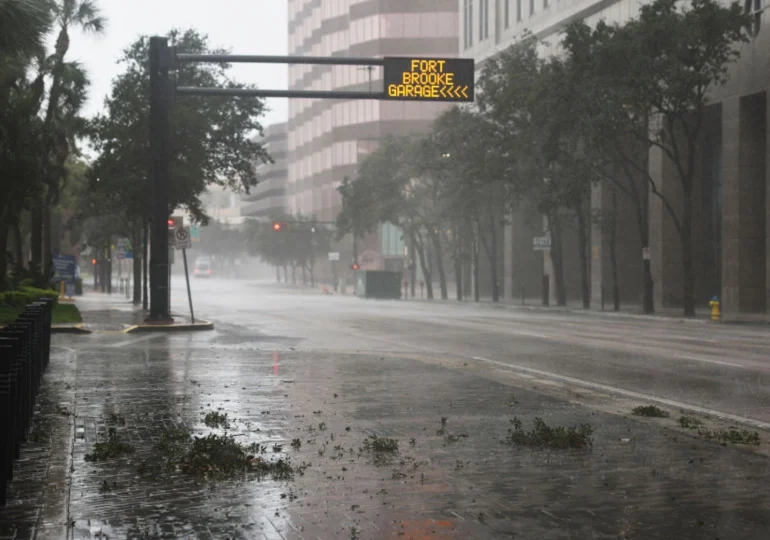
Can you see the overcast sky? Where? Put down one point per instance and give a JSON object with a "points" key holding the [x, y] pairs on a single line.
{"points": [[243, 26]]}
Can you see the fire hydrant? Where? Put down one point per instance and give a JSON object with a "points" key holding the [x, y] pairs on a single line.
{"points": [[715, 313]]}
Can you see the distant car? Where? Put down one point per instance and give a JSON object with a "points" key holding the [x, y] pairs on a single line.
{"points": [[202, 268]]}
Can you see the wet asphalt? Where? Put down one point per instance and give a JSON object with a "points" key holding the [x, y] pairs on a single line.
{"points": [[332, 371]]}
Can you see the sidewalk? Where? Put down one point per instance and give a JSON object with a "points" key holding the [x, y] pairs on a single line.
{"points": [[448, 473]]}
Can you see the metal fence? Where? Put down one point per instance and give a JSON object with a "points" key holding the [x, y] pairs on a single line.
{"points": [[24, 354]]}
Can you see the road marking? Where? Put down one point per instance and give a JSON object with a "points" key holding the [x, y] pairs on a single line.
{"points": [[132, 341], [708, 360], [628, 393]]}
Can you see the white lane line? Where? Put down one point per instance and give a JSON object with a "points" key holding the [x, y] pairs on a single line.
{"points": [[708, 360], [628, 393], [133, 340]]}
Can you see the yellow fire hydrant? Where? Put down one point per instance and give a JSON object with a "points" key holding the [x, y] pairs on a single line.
{"points": [[715, 313]]}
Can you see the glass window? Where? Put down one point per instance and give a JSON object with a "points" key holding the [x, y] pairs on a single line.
{"points": [[531, 7], [412, 26], [392, 25], [545, 4]]}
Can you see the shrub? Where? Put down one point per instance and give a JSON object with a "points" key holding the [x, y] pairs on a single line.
{"points": [[26, 295]]}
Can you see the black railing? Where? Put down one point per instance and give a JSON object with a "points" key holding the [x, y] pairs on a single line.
{"points": [[24, 353]]}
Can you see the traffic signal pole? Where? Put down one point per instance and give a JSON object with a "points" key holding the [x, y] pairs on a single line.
{"points": [[160, 107], [420, 79]]}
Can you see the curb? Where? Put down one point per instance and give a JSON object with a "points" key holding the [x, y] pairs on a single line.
{"points": [[70, 329], [196, 327]]}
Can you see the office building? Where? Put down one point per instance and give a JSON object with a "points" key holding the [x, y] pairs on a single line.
{"points": [[269, 196]]}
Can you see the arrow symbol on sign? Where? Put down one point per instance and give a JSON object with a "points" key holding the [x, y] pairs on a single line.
{"points": [[442, 91], [457, 91]]}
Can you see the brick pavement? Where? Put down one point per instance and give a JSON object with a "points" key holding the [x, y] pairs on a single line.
{"points": [[640, 480]]}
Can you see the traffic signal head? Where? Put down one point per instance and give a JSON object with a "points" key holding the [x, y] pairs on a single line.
{"points": [[277, 226], [355, 267], [170, 222], [93, 261]]}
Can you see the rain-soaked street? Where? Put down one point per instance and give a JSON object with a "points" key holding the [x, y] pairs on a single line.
{"points": [[318, 381]]}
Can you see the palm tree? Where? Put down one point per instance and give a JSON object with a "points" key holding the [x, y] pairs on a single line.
{"points": [[23, 24], [84, 15]]}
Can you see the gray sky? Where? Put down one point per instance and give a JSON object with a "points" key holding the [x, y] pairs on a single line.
{"points": [[243, 26]]}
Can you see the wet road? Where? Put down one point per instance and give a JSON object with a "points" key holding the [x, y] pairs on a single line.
{"points": [[717, 369]]}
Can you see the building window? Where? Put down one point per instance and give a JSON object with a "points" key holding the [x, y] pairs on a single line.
{"points": [[754, 8], [468, 27], [531, 7], [545, 4], [518, 11], [507, 13], [483, 19]]}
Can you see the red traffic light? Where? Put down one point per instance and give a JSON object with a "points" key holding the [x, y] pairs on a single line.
{"points": [[170, 222], [354, 267], [277, 226], [93, 261]]}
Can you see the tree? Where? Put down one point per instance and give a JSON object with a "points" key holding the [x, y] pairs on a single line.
{"points": [[211, 137], [680, 53]]}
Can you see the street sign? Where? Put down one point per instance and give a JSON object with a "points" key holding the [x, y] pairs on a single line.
{"points": [[542, 243], [195, 233], [171, 238], [429, 79], [334, 255], [64, 266], [182, 239]]}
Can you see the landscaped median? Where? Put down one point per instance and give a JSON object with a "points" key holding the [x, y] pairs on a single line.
{"points": [[12, 304]]}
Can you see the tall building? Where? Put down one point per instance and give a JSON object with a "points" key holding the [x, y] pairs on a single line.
{"points": [[731, 235], [269, 196], [327, 138]]}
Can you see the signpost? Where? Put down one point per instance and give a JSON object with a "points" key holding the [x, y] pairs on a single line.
{"points": [[408, 78], [183, 241], [65, 267], [542, 243], [429, 79]]}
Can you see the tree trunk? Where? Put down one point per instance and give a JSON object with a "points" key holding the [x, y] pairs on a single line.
{"points": [[285, 274], [426, 270], [145, 261], [491, 250], [136, 242], [47, 242], [277, 273], [36, 238], [3, 255], [312, 273], [476, 272], [434, 236], [459, 278], [18, 246], [554, 222], [293, 274], [613, 232], [304, 277], [585, 272], [688, 284]]}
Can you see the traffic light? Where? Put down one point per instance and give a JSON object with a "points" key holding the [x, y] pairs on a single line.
{"points": [[174, 222], [93, 261], [170, 222], [277, 226], [354, 266]]}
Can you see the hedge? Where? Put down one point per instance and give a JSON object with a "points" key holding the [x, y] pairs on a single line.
{"points": [[25, 295]]}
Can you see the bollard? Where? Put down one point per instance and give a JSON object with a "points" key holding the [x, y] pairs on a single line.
{"points": [[24, 354]]}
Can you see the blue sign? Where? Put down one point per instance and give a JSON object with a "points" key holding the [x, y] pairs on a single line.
{"points": [[64, 266]]}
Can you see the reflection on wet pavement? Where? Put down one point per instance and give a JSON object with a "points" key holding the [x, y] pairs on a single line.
{"points": [[451, 479]]}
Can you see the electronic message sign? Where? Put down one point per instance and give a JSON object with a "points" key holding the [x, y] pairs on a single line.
{"points": [[429, 79]]}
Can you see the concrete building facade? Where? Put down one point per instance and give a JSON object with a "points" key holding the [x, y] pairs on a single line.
{"points": [[731, 233], [328, 138], [269, 196]]}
